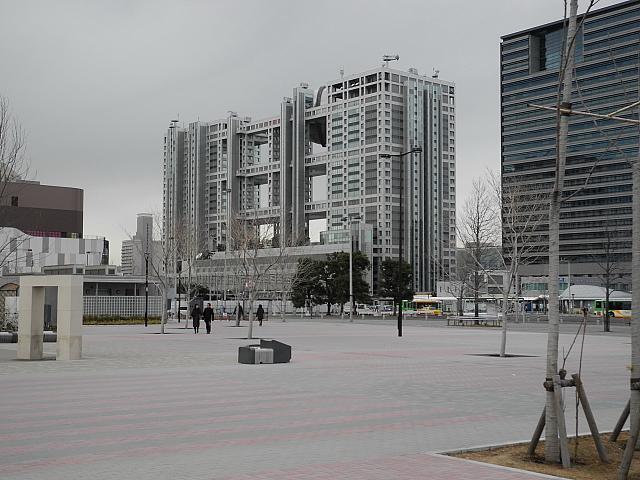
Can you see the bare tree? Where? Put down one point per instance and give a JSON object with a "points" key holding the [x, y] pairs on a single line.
{"points": [[610, 271], [187, 250], [255, 256], [13, 165], [161, 257], [552, 444], [290, 274], [477, 230], [555, 432], [521, 210]]}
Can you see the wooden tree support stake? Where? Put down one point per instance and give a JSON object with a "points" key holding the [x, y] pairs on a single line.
{"points": [[593, 427], [537, 433], [562, 427], [621, 421], [557, 384], [625, 464]]}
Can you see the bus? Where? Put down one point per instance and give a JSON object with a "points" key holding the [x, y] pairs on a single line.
{"points": [[422, 306], [617, 308]]}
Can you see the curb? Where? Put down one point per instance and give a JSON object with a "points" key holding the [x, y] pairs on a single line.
{"points": [[501, 467]]}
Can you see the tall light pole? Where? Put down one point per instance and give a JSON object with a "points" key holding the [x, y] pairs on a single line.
{"points": [[146, 278], [227, 242], [399, 276], [172, 239], [349, 219]]}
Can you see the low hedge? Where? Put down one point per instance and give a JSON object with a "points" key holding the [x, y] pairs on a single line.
{"points": [[118, 320]]}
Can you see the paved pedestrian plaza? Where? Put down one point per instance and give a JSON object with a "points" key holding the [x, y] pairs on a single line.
{"points": [[356, 402]]}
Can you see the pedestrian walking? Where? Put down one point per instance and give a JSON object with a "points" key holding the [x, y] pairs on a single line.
{"points": [[195, 315], [207, 314], [240, 312], [260, 314]]}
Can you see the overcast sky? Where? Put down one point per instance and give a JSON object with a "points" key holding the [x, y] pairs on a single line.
{"points": [[95, 83]]}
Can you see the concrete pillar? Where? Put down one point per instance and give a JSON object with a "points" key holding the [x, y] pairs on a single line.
{"points": [[69, 344], [30, 322], [31, 316]]}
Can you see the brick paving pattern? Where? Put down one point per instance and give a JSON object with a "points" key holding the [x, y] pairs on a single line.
{"points": [[355, 403]]}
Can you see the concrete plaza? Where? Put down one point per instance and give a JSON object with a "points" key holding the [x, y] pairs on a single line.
{"points": [[356, 402]]}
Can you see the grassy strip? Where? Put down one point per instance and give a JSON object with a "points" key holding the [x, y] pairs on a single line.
{"points": [[94, 320]]}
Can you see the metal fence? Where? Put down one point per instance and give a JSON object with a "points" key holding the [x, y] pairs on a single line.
{"points": [[121, 306]]}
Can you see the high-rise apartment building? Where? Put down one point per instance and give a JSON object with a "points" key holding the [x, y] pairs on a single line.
{"points": [[595, 219], [318, 162]]}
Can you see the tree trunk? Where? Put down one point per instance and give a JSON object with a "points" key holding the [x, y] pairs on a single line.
{"points": [[552, 446], [476, 297], [251, 299], [503, 337], [607, 319], [634, 402], [635, 294], [163, 317]]}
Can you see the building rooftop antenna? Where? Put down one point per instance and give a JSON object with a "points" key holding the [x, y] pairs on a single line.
{"points": [[389, 58], [341, 72]]}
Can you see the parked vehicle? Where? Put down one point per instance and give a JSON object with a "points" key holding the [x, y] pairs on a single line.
{"points": [[617, 308]]}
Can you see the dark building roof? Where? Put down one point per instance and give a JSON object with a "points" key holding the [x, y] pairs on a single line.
{"points": [[42, 210], [592, 14]]}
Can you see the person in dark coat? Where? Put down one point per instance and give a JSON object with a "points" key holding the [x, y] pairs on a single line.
{"points": [[260, 314], [207, 314], [195, 314]]}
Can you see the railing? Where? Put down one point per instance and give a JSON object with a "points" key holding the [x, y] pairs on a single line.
{"points": [[125, 306]]}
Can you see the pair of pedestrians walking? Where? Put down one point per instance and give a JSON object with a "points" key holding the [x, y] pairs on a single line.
{"points": [[207, 315]]}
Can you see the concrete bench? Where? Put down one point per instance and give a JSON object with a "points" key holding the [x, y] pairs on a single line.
{"points": [[473, 322]]}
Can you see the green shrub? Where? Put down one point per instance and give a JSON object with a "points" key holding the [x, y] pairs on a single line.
{"points": [[118, 320]]}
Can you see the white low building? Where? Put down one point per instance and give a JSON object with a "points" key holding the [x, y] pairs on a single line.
{"points": [[22, 253]]}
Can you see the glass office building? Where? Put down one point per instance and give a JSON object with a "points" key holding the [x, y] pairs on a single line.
{"points": [[596, 217]]}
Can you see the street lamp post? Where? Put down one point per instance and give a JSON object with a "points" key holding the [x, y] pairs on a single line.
{"points": [[400, 155], [146, 279], [349, 219]]}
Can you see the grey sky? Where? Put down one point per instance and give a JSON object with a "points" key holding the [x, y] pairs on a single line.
{"points": [[95, 83]]}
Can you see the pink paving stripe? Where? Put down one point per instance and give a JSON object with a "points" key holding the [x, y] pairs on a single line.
{"points": [[162, 413], [99, 390], [163, 420], [174, 434], [120, 377], [143, 452], [125, 402]]}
